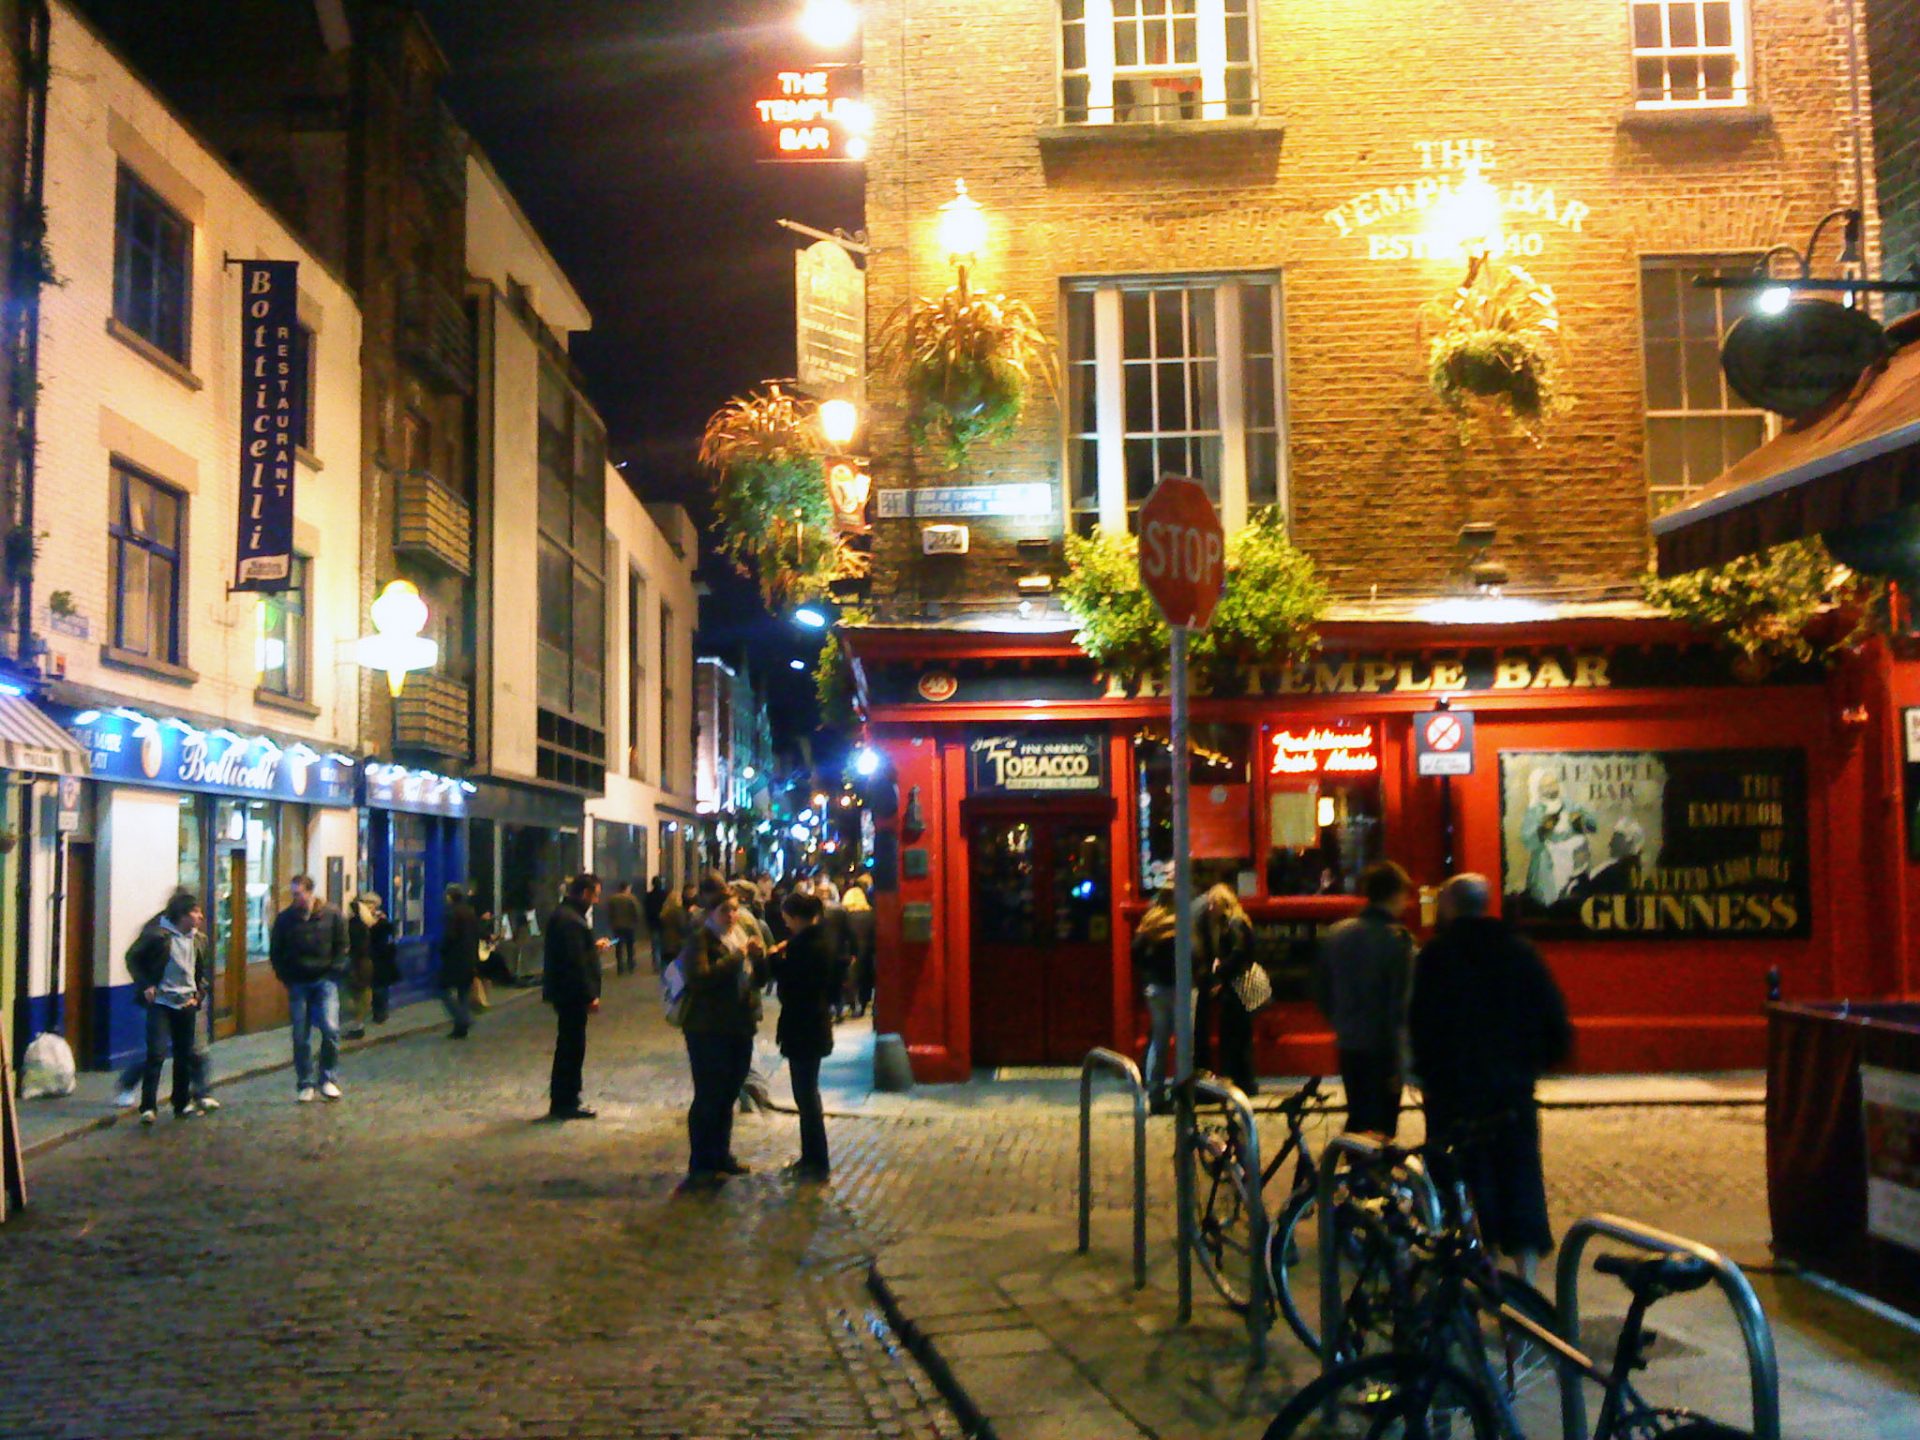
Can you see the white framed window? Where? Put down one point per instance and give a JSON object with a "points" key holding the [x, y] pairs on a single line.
{"points": [[1690, 54], [1145, 62], [1696, 425], [1174, 376]]}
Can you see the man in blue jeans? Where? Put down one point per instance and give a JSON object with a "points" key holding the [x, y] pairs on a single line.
{"points": [[309, 951]]}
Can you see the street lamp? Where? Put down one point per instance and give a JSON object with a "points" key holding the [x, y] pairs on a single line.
{"points": [[839, 422], [397, 646], [810, 616], [1468, 220], [963, 230], [830, 24]]}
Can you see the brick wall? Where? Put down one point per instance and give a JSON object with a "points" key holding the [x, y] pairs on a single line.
{"points": [[1893, 48], [1380, 482]]}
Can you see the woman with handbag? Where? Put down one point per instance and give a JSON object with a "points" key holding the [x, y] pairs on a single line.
{"points": [[1236, 984]]}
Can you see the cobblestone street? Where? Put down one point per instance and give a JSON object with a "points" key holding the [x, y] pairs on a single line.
{"points": [[426, 1260]]}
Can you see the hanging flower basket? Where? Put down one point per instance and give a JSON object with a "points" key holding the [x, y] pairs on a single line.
{"points": [[1496, 344], [966, 363]]}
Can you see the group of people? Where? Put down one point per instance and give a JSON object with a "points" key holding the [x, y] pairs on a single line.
{"points": [[1474, 1016]]}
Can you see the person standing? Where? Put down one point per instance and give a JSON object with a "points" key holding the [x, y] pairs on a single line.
{"points": [[1360, 981], [723, 961], [309, 951], [361, 913], [570, 983], [460, 936], [172, 979], [840, 937], [862, 929], [623, 919], [1153, 964], [653, 905], [1223, 951], [809, 979], [1486, 1021]]}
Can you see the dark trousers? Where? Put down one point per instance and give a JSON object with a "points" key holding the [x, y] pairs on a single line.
{"points": [[805, 1070], [569, 1054], [623, 946], [1373, 1091], [454, 997], [1236, 1042], [719, 1064], [177, 1026], [1497, 1154]]}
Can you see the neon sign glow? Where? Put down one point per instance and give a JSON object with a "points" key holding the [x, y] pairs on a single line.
{"points": [[1324, 750]]}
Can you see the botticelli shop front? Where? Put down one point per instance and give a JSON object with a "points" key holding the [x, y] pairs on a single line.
{"points": [[1667, 832], [231, 816]]}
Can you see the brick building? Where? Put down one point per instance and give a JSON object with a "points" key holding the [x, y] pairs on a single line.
{"points": [[1893, 47], [1228, 216]]}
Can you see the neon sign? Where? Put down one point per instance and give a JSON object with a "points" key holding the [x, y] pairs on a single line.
{"points": [[809, 115], [1324, 750]]}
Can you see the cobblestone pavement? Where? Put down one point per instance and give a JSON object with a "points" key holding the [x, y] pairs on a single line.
{"points": [[424, 1260]]}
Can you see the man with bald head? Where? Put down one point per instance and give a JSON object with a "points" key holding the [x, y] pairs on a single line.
{"points": [[1486, 1020]]}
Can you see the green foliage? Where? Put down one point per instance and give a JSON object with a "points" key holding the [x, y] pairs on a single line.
{"points": [[770, 494], [833, 677], [966, 363], [1497, 340], [1266, 618], [1768, 607]]}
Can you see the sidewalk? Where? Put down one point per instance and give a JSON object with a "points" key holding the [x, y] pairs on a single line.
{"points": [[52, 1121]]}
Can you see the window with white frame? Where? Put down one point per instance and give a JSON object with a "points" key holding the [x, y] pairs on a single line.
{"points": [[1155, 61], [1174, 377], [1690, 53], [1696, 425]]}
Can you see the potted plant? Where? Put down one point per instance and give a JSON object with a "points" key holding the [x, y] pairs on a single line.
{"points": [[1496, 341], [1791, 605], [966, 363]]}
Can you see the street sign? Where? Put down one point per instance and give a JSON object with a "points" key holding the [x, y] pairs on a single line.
{"points": [[1183, 553], [1443, 742]]}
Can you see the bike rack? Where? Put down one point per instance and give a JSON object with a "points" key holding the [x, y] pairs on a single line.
{"points": [[1360, 1147], [1129, 1072], [1763, 1367], [1229, 1094]]}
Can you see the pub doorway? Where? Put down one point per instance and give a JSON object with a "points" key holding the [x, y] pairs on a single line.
{"points": [[1042, 910]]}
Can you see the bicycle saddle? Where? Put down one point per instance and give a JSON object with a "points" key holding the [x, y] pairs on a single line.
{"points": [[1653, 1278]]}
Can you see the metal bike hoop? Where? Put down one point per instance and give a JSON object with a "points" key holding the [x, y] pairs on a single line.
{"points": [[1763, 1366], [1230, 1095], [1366, 1148], [1100, 1059]]}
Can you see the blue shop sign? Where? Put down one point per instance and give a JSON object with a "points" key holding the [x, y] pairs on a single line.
{"points": [[418, 792], [131, 748]]}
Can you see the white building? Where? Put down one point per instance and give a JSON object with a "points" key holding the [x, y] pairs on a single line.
{"points": [[220, 725]]}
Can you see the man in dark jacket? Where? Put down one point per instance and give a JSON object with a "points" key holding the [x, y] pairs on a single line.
{"points": [[652, 904], [310, 953], [1360, 980], [172, 978], [1486, 1021], [810, 980], [460, 937], [623, 919], [570, 983]]}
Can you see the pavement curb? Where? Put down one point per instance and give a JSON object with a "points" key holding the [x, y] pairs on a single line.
{"points": [[922, 1348], [94, 1124]]}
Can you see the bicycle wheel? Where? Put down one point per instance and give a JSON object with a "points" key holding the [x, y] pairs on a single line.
{"points": [[1386, 1397], [1223, 1211], [1519, 1369], [1293, 1273]]}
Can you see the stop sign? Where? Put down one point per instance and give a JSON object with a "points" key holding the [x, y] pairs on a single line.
{"points": [[1183, 552]]}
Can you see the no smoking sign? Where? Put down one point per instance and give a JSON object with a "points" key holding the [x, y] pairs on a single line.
{"points": [[1443, 742]]}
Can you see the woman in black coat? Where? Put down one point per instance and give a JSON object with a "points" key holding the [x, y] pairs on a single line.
{"points": [[459, 958], [810, 971]]}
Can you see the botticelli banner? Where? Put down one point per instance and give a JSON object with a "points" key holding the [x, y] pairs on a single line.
{"points": [[1656, 844], [273, 403]]}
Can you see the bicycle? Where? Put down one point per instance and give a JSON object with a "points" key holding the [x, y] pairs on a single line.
{"points": [[1420, 1392]]}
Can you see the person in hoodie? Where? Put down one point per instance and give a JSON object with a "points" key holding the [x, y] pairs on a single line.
{"points": [[172, 979], [310, 952], [1486, 1021]]}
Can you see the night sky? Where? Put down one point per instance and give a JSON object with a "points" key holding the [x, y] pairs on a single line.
{"points": [[625, 130]]}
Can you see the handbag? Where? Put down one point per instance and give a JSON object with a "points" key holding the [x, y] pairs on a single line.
{"points": [[1253, 988]]}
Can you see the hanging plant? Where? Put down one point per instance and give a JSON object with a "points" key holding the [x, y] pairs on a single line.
{"points": [[966, 363], [770, 493], [1792, 604], [1267, 617], [833, 678], [1496, 342]]}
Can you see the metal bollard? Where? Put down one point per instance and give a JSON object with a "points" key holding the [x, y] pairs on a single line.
{"points": [[1129, 1072]]}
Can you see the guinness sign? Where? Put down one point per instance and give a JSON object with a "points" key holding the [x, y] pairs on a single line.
{"points": [[1795, 362]]}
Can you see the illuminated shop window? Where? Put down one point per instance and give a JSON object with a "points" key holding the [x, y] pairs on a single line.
{"points": [[1696, 425], [1220, 807], [1174, 377], [1323, 802], [1689, 53], [1148, 62]]}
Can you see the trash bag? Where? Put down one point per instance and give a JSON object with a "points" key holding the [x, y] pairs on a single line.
{"points": [[46, 1068]]}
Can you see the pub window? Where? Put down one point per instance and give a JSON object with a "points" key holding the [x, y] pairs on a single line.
{"points": [[1146, 62], [143, 530], [284, 648], [152, 267], [1219, 807], [1323, 805], [1690, 53], [1696, 425], [1174, 377]]}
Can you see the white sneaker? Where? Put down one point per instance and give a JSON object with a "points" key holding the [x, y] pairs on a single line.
{"points": [[307, 1095], [330, 1090], [128, 1098], [149, 1117], [206, 1105]]}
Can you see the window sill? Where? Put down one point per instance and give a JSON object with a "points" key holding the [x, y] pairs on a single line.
{"points": [[159, 669], [274, 700], [307, 458], [147, 350], [1692, 121], [1256, 128]]}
